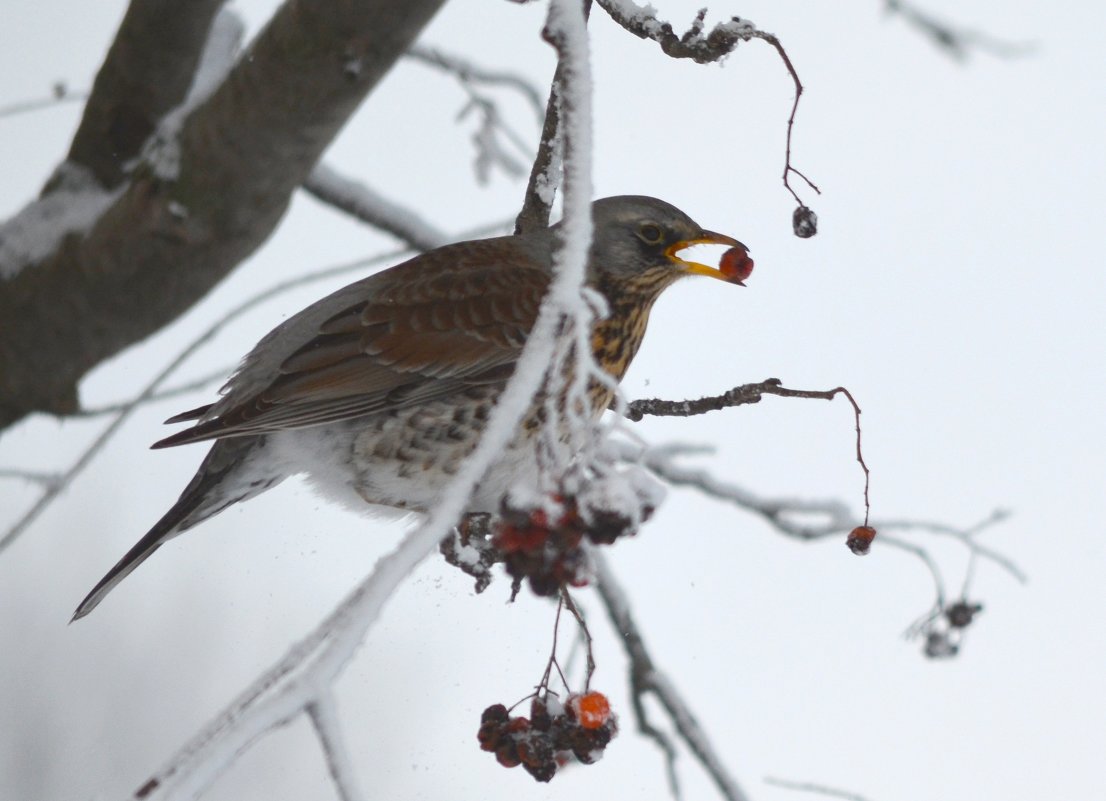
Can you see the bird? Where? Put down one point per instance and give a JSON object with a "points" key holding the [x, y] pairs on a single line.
{"points": [[380, 390]]}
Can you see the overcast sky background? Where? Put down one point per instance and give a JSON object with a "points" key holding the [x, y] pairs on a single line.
{"points": [[956, 287]]}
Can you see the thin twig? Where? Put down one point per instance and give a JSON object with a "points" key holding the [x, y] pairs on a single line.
{"points": [[711, 47], [566, 599], [43, 479], [809, 787], [470, 76], [172, 392], [24, 106], [788, 515], [955, 41], [645, 678], [369, 206], [751, 393], [324, 717], [469, 73], [787, 166]]}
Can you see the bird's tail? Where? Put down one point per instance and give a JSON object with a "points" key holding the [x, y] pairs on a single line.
{"points": [[222, 480]]}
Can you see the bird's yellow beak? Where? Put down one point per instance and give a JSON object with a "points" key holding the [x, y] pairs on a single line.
{"points": [[729, 274]]}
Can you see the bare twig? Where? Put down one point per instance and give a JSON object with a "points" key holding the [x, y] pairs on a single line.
{"points": [[645, 678], [489, 152], [750, 393], [957, 42], [46, 480], [738, 396], [59, 97], [810, 787], [469, 74], [173, 392], [791, 517], [569, 604], [324, 717], [714, 46], [787, 166]]}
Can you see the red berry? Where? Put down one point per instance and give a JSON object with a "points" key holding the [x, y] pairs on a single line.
{"points": [[592, 709], [736, 265]]}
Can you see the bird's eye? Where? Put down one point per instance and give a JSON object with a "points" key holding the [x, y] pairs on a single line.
{"points": [[650, 234]]}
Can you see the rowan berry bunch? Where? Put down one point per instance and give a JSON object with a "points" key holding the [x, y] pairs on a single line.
{"points": [[542, 543], [552, 736]]}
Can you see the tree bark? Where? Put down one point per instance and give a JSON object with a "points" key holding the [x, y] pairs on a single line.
{"points": [[167, 241]]}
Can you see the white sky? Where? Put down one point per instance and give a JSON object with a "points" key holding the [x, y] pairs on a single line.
{"points": [[955, 288]]}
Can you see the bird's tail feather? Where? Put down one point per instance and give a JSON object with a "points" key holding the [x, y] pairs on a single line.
{"points": [[220, 482]]}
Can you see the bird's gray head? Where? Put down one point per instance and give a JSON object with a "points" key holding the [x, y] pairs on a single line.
{"points": [[637, 240]]}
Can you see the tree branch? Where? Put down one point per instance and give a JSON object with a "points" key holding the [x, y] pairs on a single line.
{"points": [[643, 23], [955, 41], [369, 206], [545, 172], [146, 73], [171, 237], [645, 678], [714, 46], [809, 787]]}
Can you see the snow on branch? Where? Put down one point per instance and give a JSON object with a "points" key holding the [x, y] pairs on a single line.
{"points": [[74, 204], [693, 43], [161, 246], [162, 151], [121, 114], [366, 204]]}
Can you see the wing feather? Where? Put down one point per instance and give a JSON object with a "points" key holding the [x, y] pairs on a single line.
{"points": [[418, 332]]}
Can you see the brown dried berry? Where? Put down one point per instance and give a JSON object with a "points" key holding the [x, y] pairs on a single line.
{"points": [[804, 222], [507, 755], [860, 539]]}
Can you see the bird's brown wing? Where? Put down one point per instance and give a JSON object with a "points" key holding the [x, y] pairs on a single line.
{"points": [[418, 332]]}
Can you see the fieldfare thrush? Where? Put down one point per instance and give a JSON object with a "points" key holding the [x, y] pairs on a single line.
{"points": [[380, 390]]}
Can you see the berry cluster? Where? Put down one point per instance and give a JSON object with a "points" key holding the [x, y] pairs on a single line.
{"points": [[544, 741], [543, 546]]}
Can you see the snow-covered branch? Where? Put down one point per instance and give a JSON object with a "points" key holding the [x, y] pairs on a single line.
{"points": [[301, 679], [693, 43], [366, 204], [162, 244]]}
